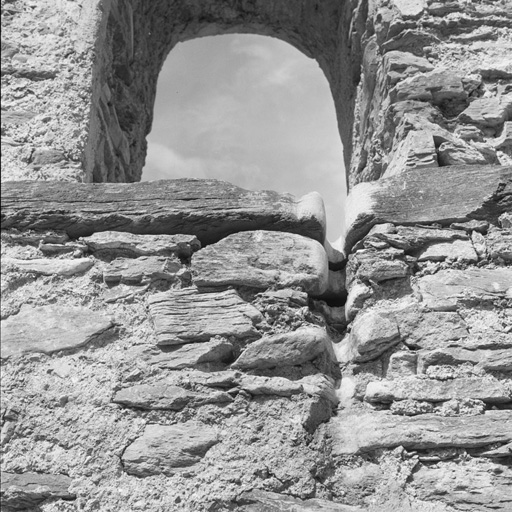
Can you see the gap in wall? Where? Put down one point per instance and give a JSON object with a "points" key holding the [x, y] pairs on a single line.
{"points": [[253, 111]]}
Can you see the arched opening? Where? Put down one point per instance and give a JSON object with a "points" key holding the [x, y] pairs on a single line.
{"points": [[251, 110]]}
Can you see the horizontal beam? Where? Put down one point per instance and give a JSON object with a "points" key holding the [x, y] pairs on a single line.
{"points": [[208, 209]]}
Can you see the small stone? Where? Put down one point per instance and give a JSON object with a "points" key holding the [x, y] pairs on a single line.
{"points": [[290, 348], [262, 259], [49, 329], [194, 354], [28, 490], [480, 226], [458, 250], [169, 449], [462, 406], [402, 364], [488, 112], [499, 244], [119, 243], [411, 408], [42, 157], [483, 487], [187, 316], [380, 270], [164, 395], [48, 267], [416, 151], [357, 295], [278, 386], [462, 154], [143, 269]]}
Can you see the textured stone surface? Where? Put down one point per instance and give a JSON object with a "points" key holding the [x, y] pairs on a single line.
{"points": [[208, 209], [483, 193], [141, 270], [185, 316], [169, 449], [490, 360], [488, 391], [163, 395], [24, 491], [461, 250], [193, 354], [469, 487], [264, 501], [280, 386], [443, 290], [364, 432], [488, 112], [48, 329], [48, 267], [289, 348], [261, 259], [372, 334], [118, 243]]}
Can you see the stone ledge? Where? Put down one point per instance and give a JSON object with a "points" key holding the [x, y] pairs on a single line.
{"points": [[415, 197], [208, 209]]}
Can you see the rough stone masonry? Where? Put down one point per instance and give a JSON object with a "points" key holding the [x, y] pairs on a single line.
{"points": [[188, 345]]}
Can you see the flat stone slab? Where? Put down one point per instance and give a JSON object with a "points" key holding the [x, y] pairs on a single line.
{"points": [[289, 348], [263, 259], [169, 449], [141, 270], [481, 192], [443, 290], [119, 243], [208, 209], [193, 354], [470, 487], [48, 329], [354, 433], [489, 391], [489, 360], [50, 266], [461, 250], [187, 316], [264, 501], [279, 386], [165, 395], [27, 490]]}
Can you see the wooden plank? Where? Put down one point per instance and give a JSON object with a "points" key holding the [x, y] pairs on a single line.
{"points": [[209, 209], [441, 195]]}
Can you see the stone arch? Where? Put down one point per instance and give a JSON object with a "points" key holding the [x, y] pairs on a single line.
{"points": [[135, 37]]}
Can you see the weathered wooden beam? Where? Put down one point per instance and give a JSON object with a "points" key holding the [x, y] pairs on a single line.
{"points": [[434, 195], [208, 209]]}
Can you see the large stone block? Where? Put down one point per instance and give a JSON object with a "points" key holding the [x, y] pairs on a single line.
{"points": [[118, 243], [48, 329], [262, 259], [290, 348], [208, 209], [354, 433], [169, 449], [443, 290], [489, 391], [187, 316], [412, 197], [24, 491], [483, 486]]}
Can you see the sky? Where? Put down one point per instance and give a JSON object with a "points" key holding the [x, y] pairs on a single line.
{"points": [[250, 110]]}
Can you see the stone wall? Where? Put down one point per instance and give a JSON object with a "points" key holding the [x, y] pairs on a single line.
{"points": [[189, 345]]}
